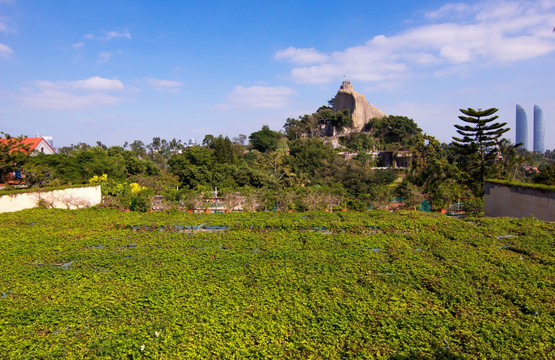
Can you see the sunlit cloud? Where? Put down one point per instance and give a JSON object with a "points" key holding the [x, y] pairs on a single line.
{"points": [[164, 85], [92, 83], [3, 25], [487, 34], [5, 50], [104, 57], [79, 94], [450, 10], [260, 96], [62, 100], [301, 56], [109, 35]]}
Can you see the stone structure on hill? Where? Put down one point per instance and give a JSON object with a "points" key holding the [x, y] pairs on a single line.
{"points": [[361, 111]]}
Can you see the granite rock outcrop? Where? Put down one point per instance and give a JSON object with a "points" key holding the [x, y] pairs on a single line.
{"points": [[361, 111]]}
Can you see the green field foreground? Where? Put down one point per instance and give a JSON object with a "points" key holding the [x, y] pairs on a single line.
{"points": [[106, 284]]}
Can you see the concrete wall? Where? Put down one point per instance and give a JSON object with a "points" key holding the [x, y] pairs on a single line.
{"points": [[513, 201], [73, 198]]}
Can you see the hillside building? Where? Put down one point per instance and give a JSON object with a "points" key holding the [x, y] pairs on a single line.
{"points": [[36, 145]]}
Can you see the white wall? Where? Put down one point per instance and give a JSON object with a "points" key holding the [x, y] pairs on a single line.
{"points": [[73, 198]]}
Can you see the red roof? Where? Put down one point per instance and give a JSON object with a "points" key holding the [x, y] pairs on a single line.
{"points": [[31, 142]]}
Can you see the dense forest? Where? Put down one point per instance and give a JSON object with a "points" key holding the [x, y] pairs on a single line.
{"points": [[315, 162]]}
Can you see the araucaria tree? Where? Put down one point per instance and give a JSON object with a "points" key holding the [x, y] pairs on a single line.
{"points": [[478, 143]]}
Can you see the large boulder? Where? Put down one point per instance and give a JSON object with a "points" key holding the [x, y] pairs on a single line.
{"points": [[361, 111]]}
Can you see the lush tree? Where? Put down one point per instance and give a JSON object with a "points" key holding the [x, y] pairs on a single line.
{"points": [[359, 179], [101, 145], [294, 129], [431, 170], [254, 177], [138, 148], [80, 164], [223, 150], [341, 120], [478, 144], [155, 145], [306, 125], [413, 196], [13, 154], [195, 166], [393, 129], [338, 120], [359, 141], [509, 160], [73, 148], [240, 139], [264, 139], [208, 141], [546, 175], [310, 157]]}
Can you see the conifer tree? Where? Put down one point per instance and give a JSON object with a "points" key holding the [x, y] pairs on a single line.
{"points": [[479, 139]]}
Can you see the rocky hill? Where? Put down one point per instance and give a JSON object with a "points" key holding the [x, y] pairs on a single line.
{"points": [[361, 111]]}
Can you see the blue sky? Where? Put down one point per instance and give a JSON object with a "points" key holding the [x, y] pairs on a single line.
{"points": [[116, 71]]}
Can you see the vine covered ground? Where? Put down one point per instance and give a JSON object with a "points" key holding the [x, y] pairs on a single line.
{"points": [[105, 284]]}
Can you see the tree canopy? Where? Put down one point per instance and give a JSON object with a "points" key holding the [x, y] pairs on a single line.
{"points": [[393, 129], [478, 144], [264, 139]]}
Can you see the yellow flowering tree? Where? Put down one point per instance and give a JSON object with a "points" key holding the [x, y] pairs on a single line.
{"points": [[126, 195]]}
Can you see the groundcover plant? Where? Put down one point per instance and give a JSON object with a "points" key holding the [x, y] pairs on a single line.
{"points": [[104, 284]]}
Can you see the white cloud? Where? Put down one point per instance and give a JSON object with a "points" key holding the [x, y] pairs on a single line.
{"points": [[5, 50], [92, 83], [164, 85], [302, 56], [261, 96], [490, 33], [6, 25], [450, 10], [63, 100], [104, 57], [3, 26], [109, 35], [78, 45], [98, 83], [63, 95]]}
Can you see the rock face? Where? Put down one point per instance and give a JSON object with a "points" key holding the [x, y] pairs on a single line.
{"points": [[361, 111]]}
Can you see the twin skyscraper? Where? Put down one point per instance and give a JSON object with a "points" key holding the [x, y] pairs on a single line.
{"points": [[522, 128]]}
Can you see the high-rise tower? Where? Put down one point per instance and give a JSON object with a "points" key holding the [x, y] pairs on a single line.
{"points": [[521, 127], [539, 129]]}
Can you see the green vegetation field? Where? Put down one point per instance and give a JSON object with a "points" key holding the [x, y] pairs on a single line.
{"points": [[106, 284]]}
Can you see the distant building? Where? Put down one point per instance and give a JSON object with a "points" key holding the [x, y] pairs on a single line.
{"points": [[539, 130], [521, 127], [400, 159], [36, 145]]}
